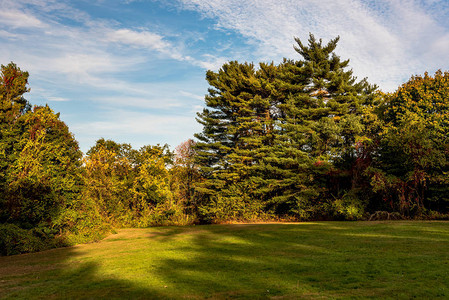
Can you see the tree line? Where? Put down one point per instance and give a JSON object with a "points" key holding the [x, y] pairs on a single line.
{"points": [[300, 140], [305, 140]]}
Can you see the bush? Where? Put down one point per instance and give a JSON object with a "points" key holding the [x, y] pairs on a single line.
{"points": [[232, 208], [432, 215], [15, 240], [349, 207]]}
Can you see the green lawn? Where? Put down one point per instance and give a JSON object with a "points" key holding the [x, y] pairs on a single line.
{"points": [[323, 260]]}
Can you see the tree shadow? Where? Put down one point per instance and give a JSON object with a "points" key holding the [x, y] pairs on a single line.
{"points": [[253, 261], [64, 273], [310, 260]]}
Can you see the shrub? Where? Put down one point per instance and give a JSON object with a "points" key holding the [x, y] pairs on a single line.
{"points": [[16, 240]]}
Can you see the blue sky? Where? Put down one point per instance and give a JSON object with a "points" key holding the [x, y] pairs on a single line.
{"points": [[134, 70]]}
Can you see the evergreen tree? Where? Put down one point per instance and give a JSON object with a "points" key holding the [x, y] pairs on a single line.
{"points": [[236, 117], [315, 149], [277, 138]]}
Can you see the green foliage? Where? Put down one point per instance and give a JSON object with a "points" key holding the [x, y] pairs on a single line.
{"points": [[349, 207], [43, 177], [304, 139], [16, 240], [184, 174], [236, 124], [411, 171], [132, 187], [151, 185], [13, 84], [106, 184], [40, 167], [281, 139], [300, 140]]}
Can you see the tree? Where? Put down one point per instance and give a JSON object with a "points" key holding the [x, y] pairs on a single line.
{"points": [[43, 177], [130, 187], [278, 137], [411, 172], [40, 159], [236, 125], [13, 84], [314, 153], [185, 175], [120, 150], [40, 182], [105, 184], [151, 185]]}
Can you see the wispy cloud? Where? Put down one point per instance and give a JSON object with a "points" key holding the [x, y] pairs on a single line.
{"points": [[8, 35], [191, 95], [74, 57], [18, 19], [150, 128], [57, 99], [211, 62], [140, 101], [143, 39], [386, 40], [82, 50], [143, 79]]}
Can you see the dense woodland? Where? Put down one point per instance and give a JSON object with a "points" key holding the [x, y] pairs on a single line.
{"points": [[301, 140]]}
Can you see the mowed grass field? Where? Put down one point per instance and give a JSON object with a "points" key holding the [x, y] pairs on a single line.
{"points": [[319, 260]]}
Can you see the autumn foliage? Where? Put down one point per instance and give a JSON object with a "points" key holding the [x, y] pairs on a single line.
{"points": [[301, 140]]}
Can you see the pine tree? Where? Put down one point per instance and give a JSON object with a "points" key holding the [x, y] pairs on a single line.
{"points": [[314, 152], [277, 138], [234, 122], [323, 117]]}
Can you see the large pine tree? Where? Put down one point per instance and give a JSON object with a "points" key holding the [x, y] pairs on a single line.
{"points": [[278, 138], [234, 122], [314, 155]]}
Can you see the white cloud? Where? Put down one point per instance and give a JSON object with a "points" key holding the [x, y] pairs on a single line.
{"points": [[87, 47], [143, 38], [211, 62], [386, 40], [57, 99], [144, 101], [153, 41], [83, 63], [191, 95], [8, 35], [18, 19], [143, 128]]}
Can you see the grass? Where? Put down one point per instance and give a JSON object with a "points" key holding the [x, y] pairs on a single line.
{"points": [[324, 260]]}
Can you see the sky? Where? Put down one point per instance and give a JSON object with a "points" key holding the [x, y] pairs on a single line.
{"points": [[134, 70]]}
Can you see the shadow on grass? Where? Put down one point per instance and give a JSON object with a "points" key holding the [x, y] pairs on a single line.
{"points": [[310, 260], [63, 274], [305, 260]]}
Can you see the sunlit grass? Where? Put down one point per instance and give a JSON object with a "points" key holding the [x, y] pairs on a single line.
{"points": [[306, 260]]}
